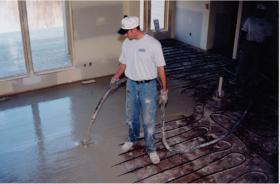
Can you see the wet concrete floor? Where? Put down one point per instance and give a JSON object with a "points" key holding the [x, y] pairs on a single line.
{"points": [[40, 133]]}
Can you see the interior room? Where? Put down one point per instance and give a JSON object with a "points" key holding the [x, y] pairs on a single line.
{"points": [[64, 112]]}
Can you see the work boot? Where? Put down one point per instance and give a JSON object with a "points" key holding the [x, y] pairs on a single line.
{"points": [[127, 146], [154, 157]]}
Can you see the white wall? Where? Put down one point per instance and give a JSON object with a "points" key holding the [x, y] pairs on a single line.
{"points": [[192, 20], [95, 40]]}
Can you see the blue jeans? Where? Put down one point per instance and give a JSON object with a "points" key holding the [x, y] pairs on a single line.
{"points": [[141, 99]]}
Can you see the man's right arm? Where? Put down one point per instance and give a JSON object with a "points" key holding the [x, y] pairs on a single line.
{"points": [[119, 72], [244, 30]]}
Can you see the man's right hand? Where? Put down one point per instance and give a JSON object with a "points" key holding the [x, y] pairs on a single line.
{"points": [[113, 81]]}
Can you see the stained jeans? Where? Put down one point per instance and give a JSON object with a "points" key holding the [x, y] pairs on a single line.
{"points": [[141, 99]]}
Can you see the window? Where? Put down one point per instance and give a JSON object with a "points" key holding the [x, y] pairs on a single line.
{"points": [[154, 12], [142, 14], [33, 37], [11, 48], [47, 34], [157, 14]]}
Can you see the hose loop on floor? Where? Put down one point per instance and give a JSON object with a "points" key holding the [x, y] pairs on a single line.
{"points": [[232, 129]]}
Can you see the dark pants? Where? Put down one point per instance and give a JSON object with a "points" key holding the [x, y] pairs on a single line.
{"points": [[251, 55]]}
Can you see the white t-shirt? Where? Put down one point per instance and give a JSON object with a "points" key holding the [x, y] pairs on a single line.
{"points": [[257, 29], [142, 57]]}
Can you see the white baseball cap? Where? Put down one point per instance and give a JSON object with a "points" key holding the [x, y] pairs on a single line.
{"points": [[128, 22]]}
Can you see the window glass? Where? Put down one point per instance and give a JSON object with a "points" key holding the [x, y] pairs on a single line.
{"points": [[11, 48], [157, 14], [48, 36]]}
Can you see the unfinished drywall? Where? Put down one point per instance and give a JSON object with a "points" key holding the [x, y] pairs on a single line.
{"points": [[96, 46], [192, 19], [96, 41], [131, 8]]}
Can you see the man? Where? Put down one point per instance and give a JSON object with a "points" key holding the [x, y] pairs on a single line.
{"points": [[142, 62], [255, 34]]}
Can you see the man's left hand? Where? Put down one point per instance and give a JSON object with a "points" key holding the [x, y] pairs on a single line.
{"points": [[163, 97]]}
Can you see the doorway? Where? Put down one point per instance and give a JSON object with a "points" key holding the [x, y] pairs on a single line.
{"points": [[225, 24]]}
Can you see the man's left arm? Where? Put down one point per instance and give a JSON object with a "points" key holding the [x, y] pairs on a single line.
{"points": [[162, 76], [160, 63], [164, 92]]}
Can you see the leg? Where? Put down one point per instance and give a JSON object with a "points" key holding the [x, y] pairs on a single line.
{"points": [[256, 55], [132, 111], [242, 67], [148, 96]]}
